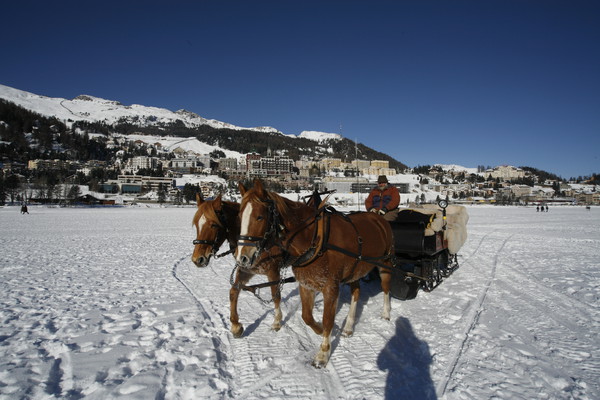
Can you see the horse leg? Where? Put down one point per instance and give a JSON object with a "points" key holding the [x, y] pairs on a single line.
{"points": [[307, 296], [330, 299], [241, 278], [274, 276], [386, 278], [355, 293]]}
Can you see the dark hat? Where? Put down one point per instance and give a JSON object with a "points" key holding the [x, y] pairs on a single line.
{"points": [[382, 179]]}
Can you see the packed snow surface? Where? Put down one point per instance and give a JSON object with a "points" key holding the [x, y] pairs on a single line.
{"points": [[106, 304]]}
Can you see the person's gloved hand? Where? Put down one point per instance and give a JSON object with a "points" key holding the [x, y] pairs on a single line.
{"points": [[373, 210], [382, 211]]}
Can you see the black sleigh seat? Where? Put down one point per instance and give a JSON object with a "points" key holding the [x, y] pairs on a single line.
{"points": [[412, 233]]}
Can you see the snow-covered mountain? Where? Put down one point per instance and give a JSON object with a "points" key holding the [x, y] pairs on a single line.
{"points": [[95, 109], [319, 136], [456, 168]]}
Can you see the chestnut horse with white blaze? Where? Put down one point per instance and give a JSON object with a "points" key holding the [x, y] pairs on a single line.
{"points": [[322, 255], [216, 221]]}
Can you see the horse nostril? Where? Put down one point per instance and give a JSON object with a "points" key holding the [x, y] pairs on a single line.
{"points": [[201, 261]]}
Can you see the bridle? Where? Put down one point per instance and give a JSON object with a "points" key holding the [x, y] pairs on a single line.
{"points": [[219, 238], [274, 228], [274, 235]]}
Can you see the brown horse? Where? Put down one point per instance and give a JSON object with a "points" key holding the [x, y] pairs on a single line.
{"points": [[216, 221], [354, 243]]}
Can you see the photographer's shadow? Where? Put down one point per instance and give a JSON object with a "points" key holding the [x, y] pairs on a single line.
{"points": [[407, 360]]}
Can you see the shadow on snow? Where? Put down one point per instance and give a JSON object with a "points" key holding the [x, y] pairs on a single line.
{"points": [[407, 360]]}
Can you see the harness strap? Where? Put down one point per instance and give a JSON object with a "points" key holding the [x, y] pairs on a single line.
{"points": [[252, 241], [316, 243], [253, 288], [320, 243], [198, 241], [359, 257]]}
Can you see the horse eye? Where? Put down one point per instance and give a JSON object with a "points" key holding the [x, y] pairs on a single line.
{"points": [[215, 226], [260, 218]]}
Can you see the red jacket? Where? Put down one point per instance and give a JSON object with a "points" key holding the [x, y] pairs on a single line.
{"points": [[388, 198]]}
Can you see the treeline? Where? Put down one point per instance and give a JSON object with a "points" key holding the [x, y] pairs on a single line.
{"points": [[246, 141], [593, 179], [29, 136], [52, 139], [542, 175]]}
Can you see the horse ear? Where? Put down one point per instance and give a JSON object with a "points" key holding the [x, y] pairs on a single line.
{"points": [[242, 188], [199, 199], [324, 202], [259, 188]]}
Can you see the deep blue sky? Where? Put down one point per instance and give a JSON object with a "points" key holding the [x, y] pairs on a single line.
{"points": [[463, 82]]}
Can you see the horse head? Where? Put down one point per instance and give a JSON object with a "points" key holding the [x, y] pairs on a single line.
{"points": [[260, 224], [211, 229]]}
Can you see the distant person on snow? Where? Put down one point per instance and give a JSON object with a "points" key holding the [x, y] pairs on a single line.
{"points": [[24, 209], [384, 199], [537, 209]]}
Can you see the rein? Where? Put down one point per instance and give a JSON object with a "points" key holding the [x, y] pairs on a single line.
{"points": [[255, 289]]}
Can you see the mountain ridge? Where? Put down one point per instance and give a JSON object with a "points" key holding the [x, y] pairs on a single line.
{"points": [[111, 115]]}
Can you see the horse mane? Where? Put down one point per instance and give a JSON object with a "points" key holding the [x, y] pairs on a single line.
{"points": [[208, 211], [286, 208]]}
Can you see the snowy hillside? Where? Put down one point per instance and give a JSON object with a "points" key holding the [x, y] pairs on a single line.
{"points": [[106, 304], [319, 136], [90, 108], [456, 168], [170, 143]]}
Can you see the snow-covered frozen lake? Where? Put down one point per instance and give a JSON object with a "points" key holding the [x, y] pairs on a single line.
{"points": [[106, 304]]}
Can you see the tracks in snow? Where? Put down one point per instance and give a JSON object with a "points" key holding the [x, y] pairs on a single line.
{"points": [[278, 364], [472, 316]]}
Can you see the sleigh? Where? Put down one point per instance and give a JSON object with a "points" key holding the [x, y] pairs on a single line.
{"points": [[426, 242]]}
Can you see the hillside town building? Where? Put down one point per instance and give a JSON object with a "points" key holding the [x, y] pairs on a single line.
{"points": [[505, 172]]}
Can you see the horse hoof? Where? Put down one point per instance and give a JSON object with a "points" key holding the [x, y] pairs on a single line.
{"points": [[319, 363], [347, 333], [276, 327], [237, 331]]}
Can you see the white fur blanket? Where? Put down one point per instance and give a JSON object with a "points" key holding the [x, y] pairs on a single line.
{"points": [[456, 224]]}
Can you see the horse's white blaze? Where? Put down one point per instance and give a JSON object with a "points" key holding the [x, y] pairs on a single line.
{"points": [[201, 223], [244, 226], [246, 219]]}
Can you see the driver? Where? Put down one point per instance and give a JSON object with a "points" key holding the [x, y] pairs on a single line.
{"points": [[384, 199]]}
